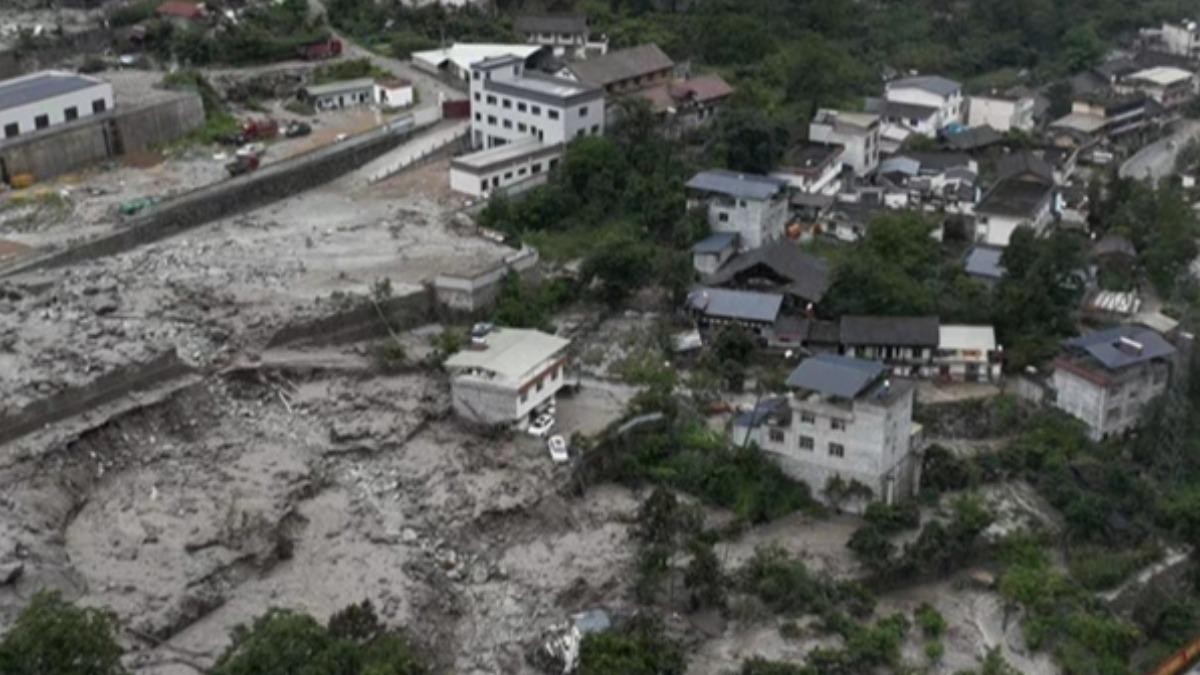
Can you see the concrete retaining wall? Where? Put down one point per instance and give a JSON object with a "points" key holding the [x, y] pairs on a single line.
{"points": [[236, 195], [360, 322], [103, 389], [72, 146], [471, 293]]}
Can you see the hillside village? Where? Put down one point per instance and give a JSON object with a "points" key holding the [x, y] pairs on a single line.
{"points": [[646, 337]]}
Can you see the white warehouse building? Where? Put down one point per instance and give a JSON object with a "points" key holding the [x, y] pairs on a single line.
{"points": [[41, 100], [520, 123]]}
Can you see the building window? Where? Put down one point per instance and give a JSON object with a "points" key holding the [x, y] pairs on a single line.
{"points": [[516, 70], [536, 168], [807, 417], [491, 100], [475, 74], [71, 113], [552, 114], [521, 126], [837, 425], [806, 443], [723, 217], [553, 164], [521, 107], [540, 383], [583, 111], [595, 129], [507, 124], [98, 106], [524, 396], [535, 109], [776, 435], [12, 130], [41, 121], [580, 133], [478, 97], [1114, 413], [837, 450], [521, 172], [508, 176], [478, 117], [506, 103], [492, 120]]}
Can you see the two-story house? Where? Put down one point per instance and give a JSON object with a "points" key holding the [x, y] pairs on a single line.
{"points": [[752, 206], [1107, 378], [1023, 197], [843, 418], [906, 344], [813, 168], [966, 354], [520, 122], [856, 133], [1168, 86], [624, 71], [567, 35], [506, 376], [1002, 112], [922, 105]]}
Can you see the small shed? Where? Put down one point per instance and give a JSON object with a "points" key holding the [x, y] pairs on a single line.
{"points": [[341, 94], [394, 92]]}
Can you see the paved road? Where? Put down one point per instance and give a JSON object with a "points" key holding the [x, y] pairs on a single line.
{"points": [[1157, 160]]}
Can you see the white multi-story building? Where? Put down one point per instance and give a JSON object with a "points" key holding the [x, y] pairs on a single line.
{"points": [[930, 91], [844, 419], [41, 100], [857, 133], [752, 206], [1002, 113], [534, 115], [1167, 85], [1182, 39], [1107, 378], [507, 375]]}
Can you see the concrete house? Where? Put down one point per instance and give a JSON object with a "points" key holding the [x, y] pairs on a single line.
{"points": [[1168, 86], [567, 35], [778, 267], [339, 95], [905, 343], [1181, 39], [41, 100], [394, 92], [929, 91], [689, 104], [983, 263], [966, 354], [625, 70], [456, 60], [709, 254], [844, 418], [1023, 197], [813, 168], [1001, 112], [520, 123], [512, 375], [857, 133], [715, 307], [1106, 378], [752, 206]]}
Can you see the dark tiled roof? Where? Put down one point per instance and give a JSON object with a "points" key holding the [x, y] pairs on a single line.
{"points": [[1014, 198], [834, 375], [937, 162], [899, 331], [1025, 164], [808, 276], [1123, 346], [551, 23], [899, 110], [1114, 244], [622, 64], [974, 138]]}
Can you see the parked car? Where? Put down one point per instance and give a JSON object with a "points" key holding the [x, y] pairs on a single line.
{"points": [[251, 150], [557, 445], [297, 129], [541, 425]]}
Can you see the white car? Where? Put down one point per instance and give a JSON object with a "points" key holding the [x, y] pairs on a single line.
{"points": [[558, 449], [541, 426], [251, 150]]}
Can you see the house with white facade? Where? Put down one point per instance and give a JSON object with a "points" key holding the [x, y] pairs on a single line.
{"points": [[812, 168], [1024, 196], [507, 376], [1166, 85], [929, 91], [857, 133], [710, 253], [49, 98], [456, 60], [567, 35], [339, 95], [1107, 378], [1182, 39], [966, 354], [394, 92], [752, 206], [906, 344], [520, 123], [1001, 112], [846, 420]]}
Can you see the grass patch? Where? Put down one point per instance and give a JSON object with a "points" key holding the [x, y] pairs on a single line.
{"points": [[348, 70], [573, 244], [1098, 569]]}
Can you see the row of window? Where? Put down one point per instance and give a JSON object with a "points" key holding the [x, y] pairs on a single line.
{"points": [[541, 382], [807, 443], [71, 113], [507, 104], [523, 128]]}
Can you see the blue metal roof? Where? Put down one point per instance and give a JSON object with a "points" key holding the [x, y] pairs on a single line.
{"points": [[1122, 346], [984, 261], [716, 243], [21, 91], [834, 375], [740, 305], [744, 185]]}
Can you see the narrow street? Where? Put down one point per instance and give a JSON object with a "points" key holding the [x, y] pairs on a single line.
{"points": [[1157, 160]]}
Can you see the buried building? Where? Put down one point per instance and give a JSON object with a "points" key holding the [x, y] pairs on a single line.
{"points": [[507, 375], [845, 421]]}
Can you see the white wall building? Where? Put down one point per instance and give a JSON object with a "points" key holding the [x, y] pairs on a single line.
{"points": [[457, 59], [1107, 378], [565, 34], [966, 354], [1167, 85], [513, 374], [857, 133], [844, 418], [394, 92], [752, 206], [1182, 39], [508, 104], [929, 90], [1002, 113], [341, 94], [1014, 203], [41, 100], [479, 174]]}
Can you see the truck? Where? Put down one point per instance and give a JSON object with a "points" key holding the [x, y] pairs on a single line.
{"points": [[319, 51]]}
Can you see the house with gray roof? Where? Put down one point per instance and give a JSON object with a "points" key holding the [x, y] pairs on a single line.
{"points": [[780, 267], [1108, 378], [983, 263], [845, 421], [49, 98], [625, 70], [709, 254], [566, 34], [340, 94], [926, 92], [720, 306], [753, 206], [1010, 204], [905, 343]]}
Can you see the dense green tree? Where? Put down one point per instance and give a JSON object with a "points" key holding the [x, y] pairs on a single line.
{"points": [[704, 578], [638, 648], [53, 636], [1042, 287]]}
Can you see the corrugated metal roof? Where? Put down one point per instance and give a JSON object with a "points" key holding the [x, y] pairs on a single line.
{"points": [[743, 185], [741, 305], [1122, 346], [28, 89], [623, 64], [906, 331], [962, 338], [341, 86], [984, 261], [836, 375]]}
